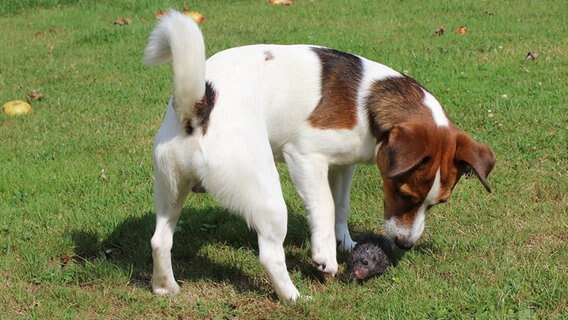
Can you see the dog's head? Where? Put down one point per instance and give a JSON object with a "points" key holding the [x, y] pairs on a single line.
{"points": [[420, 164]]}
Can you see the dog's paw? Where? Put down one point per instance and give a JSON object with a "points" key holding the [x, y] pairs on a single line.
{"points": [[330, 267], [162, 290], [346, 246], [343, 239], [290, 295], [324, 254], [325, 264]]}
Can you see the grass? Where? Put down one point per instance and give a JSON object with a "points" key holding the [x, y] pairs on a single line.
{"points": [[76, 212]]}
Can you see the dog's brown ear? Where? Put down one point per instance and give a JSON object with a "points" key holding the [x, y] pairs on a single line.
{"points": [[406, 149], [475, 156]]}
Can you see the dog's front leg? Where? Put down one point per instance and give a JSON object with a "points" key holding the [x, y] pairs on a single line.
{"points": [[340, 179], [310, 176]]}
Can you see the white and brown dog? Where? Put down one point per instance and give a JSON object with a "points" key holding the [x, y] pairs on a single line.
{"points": [[319, 110]]}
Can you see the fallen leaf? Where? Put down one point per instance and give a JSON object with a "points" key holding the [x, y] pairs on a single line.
{"points": [[440, 31], [461, 30], [39, 34], [281, 2], [198, 17], [65, 260], [160, 13], [123, 21], [34, 95], [55, 30], [531, 56]]}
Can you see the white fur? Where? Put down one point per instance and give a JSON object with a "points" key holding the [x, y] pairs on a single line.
{"points": [[260, 114], [409, 234], [437, 112], [178, 38]]}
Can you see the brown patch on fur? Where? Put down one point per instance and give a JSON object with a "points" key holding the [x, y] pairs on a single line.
{"points": [[407, 161], [393, 101], [413, 148], [188, 128], [203, 109], [474, 157], [411, 155], [268, 55], [341, 75]]}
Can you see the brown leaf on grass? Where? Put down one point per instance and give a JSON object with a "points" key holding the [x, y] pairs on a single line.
{"points": [[160, 13], [281, 2], [65, 260], [55, 30], [123, 21], [461, 30], [196, 16], [34, 95], [440, 31], [531, 56], [42, 33]]}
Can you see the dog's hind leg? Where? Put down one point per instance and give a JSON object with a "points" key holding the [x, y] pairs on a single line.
{"points": [[271, 233], [253, 190], [242, 175], [169, 195], [340, 179]]}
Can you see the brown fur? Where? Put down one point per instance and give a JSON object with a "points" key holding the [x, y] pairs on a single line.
{"points": [[413, 147], [268, 55], [340, 79], [203, 109], [393, 101], [425, 147]]}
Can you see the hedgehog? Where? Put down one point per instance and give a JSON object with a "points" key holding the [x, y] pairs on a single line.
{"points": [[370, 257]]}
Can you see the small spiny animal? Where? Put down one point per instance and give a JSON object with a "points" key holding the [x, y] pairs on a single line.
{"points": [[370, 257]]}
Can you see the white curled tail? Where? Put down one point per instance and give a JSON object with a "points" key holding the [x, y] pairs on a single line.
{"points": [[178, 38]]}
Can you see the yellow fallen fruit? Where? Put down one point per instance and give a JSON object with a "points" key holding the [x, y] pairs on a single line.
{"points": [[16, 108]]}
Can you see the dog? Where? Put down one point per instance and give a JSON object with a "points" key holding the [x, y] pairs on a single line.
{"points": [[319, 110]]}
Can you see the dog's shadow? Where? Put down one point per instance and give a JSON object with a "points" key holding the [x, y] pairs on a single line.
{"points": [[201, 232], [128, 247]]}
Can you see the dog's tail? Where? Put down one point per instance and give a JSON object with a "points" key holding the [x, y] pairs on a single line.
{"points": [[178, 38]]}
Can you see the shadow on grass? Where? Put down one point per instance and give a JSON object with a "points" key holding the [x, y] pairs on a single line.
{"points": [[128, 247]]}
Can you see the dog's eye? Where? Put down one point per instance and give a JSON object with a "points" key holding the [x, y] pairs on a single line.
{"points": [[405, 196], [425, 160], [365, 262]]}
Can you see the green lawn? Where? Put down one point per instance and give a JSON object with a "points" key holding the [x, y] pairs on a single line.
{"points": [[76, 211]]}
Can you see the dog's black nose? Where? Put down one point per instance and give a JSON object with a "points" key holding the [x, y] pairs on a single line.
{"points": [[403, 244]]}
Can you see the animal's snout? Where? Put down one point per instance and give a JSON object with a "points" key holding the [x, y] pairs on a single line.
{"points": [[403, 243], [357, 273]]}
